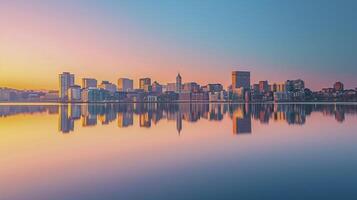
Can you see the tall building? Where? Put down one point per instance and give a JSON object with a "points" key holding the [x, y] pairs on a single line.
{"points": [[338, 86], [125, 85], [145, 84], [178, 83], [241, 79], [66, 80], [89, 82]]}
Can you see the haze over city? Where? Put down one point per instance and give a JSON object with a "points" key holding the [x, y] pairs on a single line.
{"points": [[202, 40]]}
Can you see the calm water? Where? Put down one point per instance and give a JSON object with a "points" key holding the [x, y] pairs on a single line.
{"points": [[178, 151]]}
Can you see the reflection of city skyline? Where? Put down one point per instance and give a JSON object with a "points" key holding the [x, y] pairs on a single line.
{"points": [[149, 114]]}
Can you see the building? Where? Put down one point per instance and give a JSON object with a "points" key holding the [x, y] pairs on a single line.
{"points": [[66, 80], [215, 96], [255, 88], [277, 87], [241, 79], [94, 95], [156, 87], [106, 85], [151, 98], [190, 87], [215, 87], [281, 96], [171, 87], [294, 85], [178, 83], [89, 82], [125, 85], [51, 95], [338, 86], [74, 93], [263, 86], [239, 94], [145, 84]]}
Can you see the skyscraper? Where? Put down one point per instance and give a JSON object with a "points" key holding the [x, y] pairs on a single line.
{"points": [[89, 82], [178, 83], [125, 85], [66, 80], [241, 79]]}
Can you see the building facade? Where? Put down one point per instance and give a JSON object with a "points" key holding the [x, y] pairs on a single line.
{"points": [[145, 84], [106, 85], [66, 80], [241, 79], [125, 85], [89, 82], [178, 83], [74, 93], [263, 86]]}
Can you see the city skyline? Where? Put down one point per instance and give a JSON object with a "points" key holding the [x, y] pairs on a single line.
{"points": [[132, 39], [148, 90], [178, 99]]}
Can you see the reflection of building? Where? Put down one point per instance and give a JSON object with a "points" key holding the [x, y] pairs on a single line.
{"points": [[144, 120], [242, 120], [90, 120], [65, 124], [75, 111], [125, 119], [292, 114], [179, 122], [66, 80], [339, 116]]}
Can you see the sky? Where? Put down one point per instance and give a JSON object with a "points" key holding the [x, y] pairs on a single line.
{"points": [[202, 40]]}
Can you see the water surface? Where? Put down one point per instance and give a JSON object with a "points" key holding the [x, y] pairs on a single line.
{"points": [[178, 151]]}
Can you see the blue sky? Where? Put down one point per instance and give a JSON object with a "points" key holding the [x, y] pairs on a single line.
{"points": [[276, 40]]}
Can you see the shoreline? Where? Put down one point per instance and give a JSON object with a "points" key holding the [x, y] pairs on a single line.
{"points": [[173, 102]]}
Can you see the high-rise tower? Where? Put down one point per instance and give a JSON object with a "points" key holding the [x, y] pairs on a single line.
{"points": [[178, 83], [66, 80]]}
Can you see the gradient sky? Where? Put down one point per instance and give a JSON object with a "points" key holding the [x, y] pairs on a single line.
{"points": [[203, 40]]}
